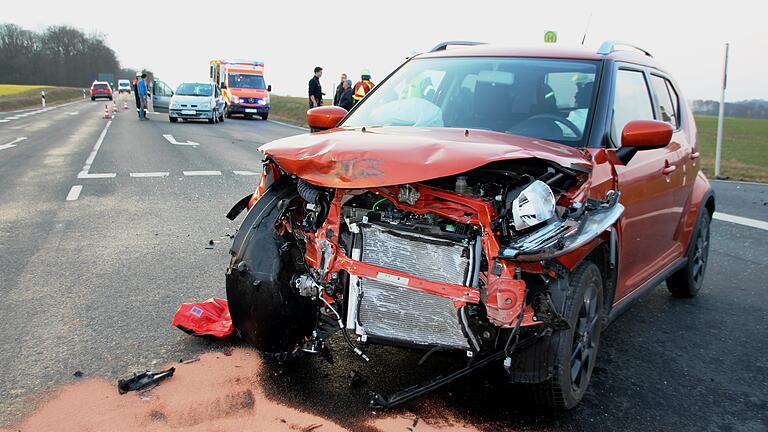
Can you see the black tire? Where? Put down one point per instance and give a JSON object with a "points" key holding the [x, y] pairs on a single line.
{"points": [[575, 349], [687, 282], [212, 120], [265, 116], [173, 119], [93, 98]]}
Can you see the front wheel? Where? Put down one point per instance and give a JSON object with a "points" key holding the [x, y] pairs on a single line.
{"points": [[173, 119], [687, 281], [265, 116], [576, 348], [212, 120], [266, 310]]}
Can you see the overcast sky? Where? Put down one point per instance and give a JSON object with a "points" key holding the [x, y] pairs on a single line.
{"points": [[177, 39]]}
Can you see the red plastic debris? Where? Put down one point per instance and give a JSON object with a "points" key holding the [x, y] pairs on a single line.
{"points": [[208, 318]]}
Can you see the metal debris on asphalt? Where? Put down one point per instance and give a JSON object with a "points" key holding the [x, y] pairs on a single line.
{"points": [[142, 380]]}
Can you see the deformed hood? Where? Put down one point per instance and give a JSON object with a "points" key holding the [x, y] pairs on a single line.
{"points": [[385, 156]]}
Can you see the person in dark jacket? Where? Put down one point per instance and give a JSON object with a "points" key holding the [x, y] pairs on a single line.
{"points": [[339, 89], [135, 85], [347, 100], [315, 89]]}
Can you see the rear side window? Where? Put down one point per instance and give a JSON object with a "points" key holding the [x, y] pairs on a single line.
{"points": [[667, 103], [632, 101]]}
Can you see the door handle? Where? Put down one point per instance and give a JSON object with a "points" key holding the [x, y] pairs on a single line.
{"points": [[668, 169], [695, 155]]}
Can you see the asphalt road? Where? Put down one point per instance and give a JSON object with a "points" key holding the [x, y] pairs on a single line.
{"points": [[90, 279]]}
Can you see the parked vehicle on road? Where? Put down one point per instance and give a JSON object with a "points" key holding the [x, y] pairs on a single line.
{"points": [[242, 82], [504, 204], [101, 89], [123, 86], [195, 100]]}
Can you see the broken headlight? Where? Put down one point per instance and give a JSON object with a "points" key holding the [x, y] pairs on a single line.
{"points": [[534, 205]]}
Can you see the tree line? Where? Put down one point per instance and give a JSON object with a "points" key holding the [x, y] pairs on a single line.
{"points": [[755, 108], [58, 56]]}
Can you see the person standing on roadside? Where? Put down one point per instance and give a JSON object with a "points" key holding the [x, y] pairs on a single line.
{"points": [[339, 89], [315, 90], [347, 100], [364, 85], [136, 93], [143, 93]]}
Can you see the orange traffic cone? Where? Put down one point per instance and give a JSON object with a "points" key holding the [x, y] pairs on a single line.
{"points": [[125, 105], [106, 112], [114, 106]]}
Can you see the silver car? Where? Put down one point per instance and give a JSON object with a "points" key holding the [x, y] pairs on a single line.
{"points": [[195, 100]]}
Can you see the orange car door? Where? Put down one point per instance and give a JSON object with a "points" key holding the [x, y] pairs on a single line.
{"points": [[650, 188]]}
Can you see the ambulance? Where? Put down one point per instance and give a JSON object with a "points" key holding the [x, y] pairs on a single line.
{"points": [[243, 87]]}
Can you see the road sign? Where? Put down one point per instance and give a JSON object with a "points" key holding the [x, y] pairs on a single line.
{"points": [[550, 37]]}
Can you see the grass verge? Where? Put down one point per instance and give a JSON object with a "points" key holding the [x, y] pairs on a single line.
{"points": [[290, 109], [745, 148], [13, 97]]}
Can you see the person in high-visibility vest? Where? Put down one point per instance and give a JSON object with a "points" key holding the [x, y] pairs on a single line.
{"points": [[363, 86]]}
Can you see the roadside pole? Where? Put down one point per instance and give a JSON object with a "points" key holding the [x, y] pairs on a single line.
{"points": [[42, 95], [721, 114]]}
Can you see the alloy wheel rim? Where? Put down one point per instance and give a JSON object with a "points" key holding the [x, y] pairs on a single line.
{"points": [[583, 348], [700, 254]]}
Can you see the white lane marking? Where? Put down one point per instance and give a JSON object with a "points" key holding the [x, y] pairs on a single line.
{"points": [[73, 113], [202, 173], [754, 223], [74, 193], [96, 147], [289, 125], [173, 141], [86, 175], [4, 121], [12, 118], [12, 143], [245, 173], [149, 174]]}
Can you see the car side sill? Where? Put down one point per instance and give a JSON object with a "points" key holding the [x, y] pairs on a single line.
{"points": [[649, 286]]}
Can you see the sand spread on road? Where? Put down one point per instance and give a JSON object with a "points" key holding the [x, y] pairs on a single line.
{"points": [[221, 392]]}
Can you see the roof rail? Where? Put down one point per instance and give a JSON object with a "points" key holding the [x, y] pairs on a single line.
{"points": [[442, 46], [610, 46]]}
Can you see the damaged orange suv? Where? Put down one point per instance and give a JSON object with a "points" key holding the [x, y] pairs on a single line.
{"points": [[503, 204]]}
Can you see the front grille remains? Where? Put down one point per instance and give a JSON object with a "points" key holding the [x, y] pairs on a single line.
{"points": [[388, 310]]}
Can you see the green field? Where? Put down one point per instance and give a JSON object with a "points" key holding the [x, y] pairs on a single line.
{"points": [[745, 147], [14, 97], [290, 109]]}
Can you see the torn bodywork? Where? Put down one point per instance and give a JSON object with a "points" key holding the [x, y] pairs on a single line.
{"points": [[475, 261]]}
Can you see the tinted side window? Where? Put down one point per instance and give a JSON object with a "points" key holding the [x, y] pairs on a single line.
{"points": [[632, 101], [667, 109], [675, 100]]}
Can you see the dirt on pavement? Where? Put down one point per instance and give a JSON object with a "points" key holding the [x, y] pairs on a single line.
{"points": [[219, 392]]}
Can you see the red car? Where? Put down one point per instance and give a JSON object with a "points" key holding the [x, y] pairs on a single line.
{"points": [[100, 89], [503, 204]]}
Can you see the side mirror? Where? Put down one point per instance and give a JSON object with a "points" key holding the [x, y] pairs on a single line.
{"points": [[326, 117], [643, 135], [269, 88], [646, 134]]}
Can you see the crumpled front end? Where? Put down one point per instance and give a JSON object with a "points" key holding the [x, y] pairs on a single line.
{"points": [[464, 262]]}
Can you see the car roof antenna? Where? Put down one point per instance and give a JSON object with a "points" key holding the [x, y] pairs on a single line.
{"points": [[586, 29]]}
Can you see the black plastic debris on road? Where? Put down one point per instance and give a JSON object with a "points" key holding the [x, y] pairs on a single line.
{"points": [[78, 374], [142, 380]]}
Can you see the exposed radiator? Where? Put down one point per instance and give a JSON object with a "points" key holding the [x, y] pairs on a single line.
{"points": [[399, 313]]}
